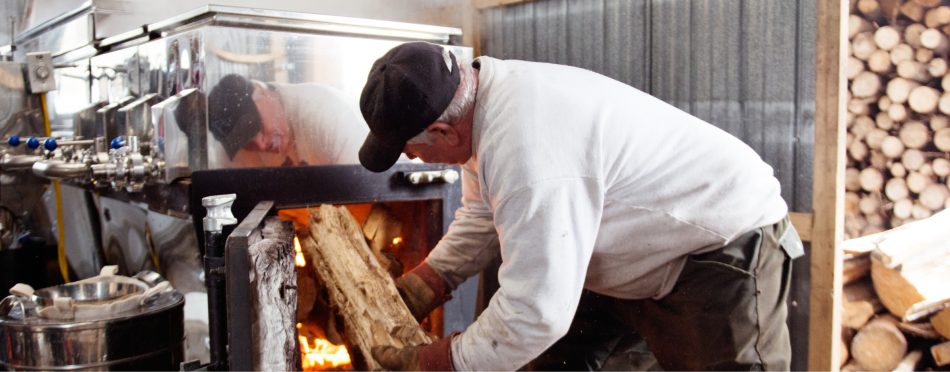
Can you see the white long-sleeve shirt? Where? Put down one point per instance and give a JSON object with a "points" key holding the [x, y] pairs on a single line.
{"points": [[580, 181]]}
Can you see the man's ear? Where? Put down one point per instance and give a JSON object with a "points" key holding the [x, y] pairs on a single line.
{"points": [[445, 133]]}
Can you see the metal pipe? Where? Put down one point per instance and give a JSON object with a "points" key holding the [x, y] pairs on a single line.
{"points": [[60, 169], [18, 162], [219, 215]]}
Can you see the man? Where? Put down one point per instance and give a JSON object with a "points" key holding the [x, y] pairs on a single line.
{"points": [[267, 124], [599, 199]]}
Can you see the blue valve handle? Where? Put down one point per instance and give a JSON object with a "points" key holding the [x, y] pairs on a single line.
{"points": [[32, 143], [14, 140], [50, 144], [117, 142]]}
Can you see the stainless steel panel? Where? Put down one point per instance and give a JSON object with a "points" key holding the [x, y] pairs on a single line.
{"points": [[125, 239], [79, 223]]}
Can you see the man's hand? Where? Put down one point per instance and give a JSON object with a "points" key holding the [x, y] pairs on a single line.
{"points": [[432, 357], [422, 289]]}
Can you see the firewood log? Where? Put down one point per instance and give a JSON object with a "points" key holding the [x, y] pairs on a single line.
{"points": [[856, 268], [861, 106], [923, 55], [861, 126], [922, 330], [869, 204], [866, 84], [274, 313], [870, 9], [912, 159], [855, 314], [360, 289], [919, 212], [862, 45], [935, 40], [941, 354], [898, 112], [941, 167], [878, 160], [937, 67], [857, 24], [937, 17], [882, 120], [879, 345], [843, 346], [945, 83], [875, 137], [934, 196], [926, 170], [903, 209], [898, 171], [923, 99], [909, 362], [856, 66], [908, 267], [913, 11], [871, 179], [914, 135], [938, 122], [941, 322], [892, 147], [911, 33], [942, 139], [916, 182], [898, 89], [944, 104], [887, 37], [927, 3], [858, 150], [913, 70], [901, 53], [851, 201], [852, 180]]}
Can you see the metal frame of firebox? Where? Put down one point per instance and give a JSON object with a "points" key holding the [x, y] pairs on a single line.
{"points": [[263, 191]]}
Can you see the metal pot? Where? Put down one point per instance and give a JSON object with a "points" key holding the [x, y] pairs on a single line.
{"points": [[146, 335]]}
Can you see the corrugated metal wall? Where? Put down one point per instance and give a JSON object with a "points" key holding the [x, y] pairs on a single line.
{"points": [[746, 66]]}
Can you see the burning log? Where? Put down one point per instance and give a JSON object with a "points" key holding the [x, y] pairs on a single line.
{"points": [[360, 290]]}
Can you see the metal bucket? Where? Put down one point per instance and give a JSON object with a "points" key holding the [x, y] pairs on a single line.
{"points": [[149, 336]]}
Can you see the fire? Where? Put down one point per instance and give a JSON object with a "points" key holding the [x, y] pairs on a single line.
{"points": [[298, 259], [397, 241], [321, 354]]}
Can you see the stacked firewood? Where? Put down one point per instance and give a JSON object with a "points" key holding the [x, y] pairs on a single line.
{"points": [[896, 314], [898, 113]]}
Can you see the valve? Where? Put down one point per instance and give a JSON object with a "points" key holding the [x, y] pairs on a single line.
{"points": [[14, 140], [50, 144], [32, 143], [117, 143]]}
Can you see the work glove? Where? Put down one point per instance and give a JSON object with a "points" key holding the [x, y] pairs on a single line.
{"points": [[432, 357], [422, 289]]}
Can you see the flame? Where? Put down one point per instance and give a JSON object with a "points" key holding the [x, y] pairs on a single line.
{"points": [[397, 241], [298, 258], [322, 354]]}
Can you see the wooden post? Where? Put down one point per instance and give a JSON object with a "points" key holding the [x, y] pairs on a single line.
{"points": [[828, 184]]}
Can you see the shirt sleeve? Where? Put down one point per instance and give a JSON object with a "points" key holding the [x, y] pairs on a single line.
{"points": [[471, 242], [547, 232]]}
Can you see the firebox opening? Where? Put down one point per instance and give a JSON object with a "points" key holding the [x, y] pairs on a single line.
{"points": [[400, 235]]}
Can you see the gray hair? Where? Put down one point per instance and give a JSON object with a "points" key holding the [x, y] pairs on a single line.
{"points": [[461, 104]]}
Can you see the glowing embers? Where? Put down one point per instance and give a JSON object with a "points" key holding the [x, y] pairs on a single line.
{"points": [[317, 354]]}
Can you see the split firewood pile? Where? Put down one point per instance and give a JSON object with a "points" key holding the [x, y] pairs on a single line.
{"points": [[896, 313], [898, 113]]}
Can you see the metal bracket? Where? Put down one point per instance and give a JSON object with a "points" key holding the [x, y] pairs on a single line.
{"points": [[40, 72]]}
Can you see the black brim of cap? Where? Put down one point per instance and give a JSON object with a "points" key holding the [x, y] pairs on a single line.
{"points": [[378, 156]]}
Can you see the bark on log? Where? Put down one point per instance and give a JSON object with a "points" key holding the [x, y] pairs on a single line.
{"points": [[273, 277], [359, 288], [879, 345]]}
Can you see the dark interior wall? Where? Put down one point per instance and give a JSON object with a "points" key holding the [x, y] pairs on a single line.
{"points": [[746, 66]]}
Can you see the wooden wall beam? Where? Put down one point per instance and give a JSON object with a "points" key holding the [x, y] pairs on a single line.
{"points": [[803, 224], [828, 186]]}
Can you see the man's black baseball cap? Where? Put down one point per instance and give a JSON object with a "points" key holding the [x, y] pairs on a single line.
{"points": [[408, 88]]}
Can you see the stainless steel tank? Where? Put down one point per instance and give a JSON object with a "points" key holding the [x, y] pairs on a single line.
{"points": [[102, 323]]}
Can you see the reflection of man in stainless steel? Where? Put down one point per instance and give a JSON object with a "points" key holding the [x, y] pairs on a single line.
{"points": [[267, 124]]}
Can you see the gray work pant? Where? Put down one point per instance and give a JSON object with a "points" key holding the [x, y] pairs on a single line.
{"points": [[727, 311]]}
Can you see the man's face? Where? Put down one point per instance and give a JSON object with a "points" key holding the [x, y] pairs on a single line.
{"points": [[275, 133], [446, 145]]}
